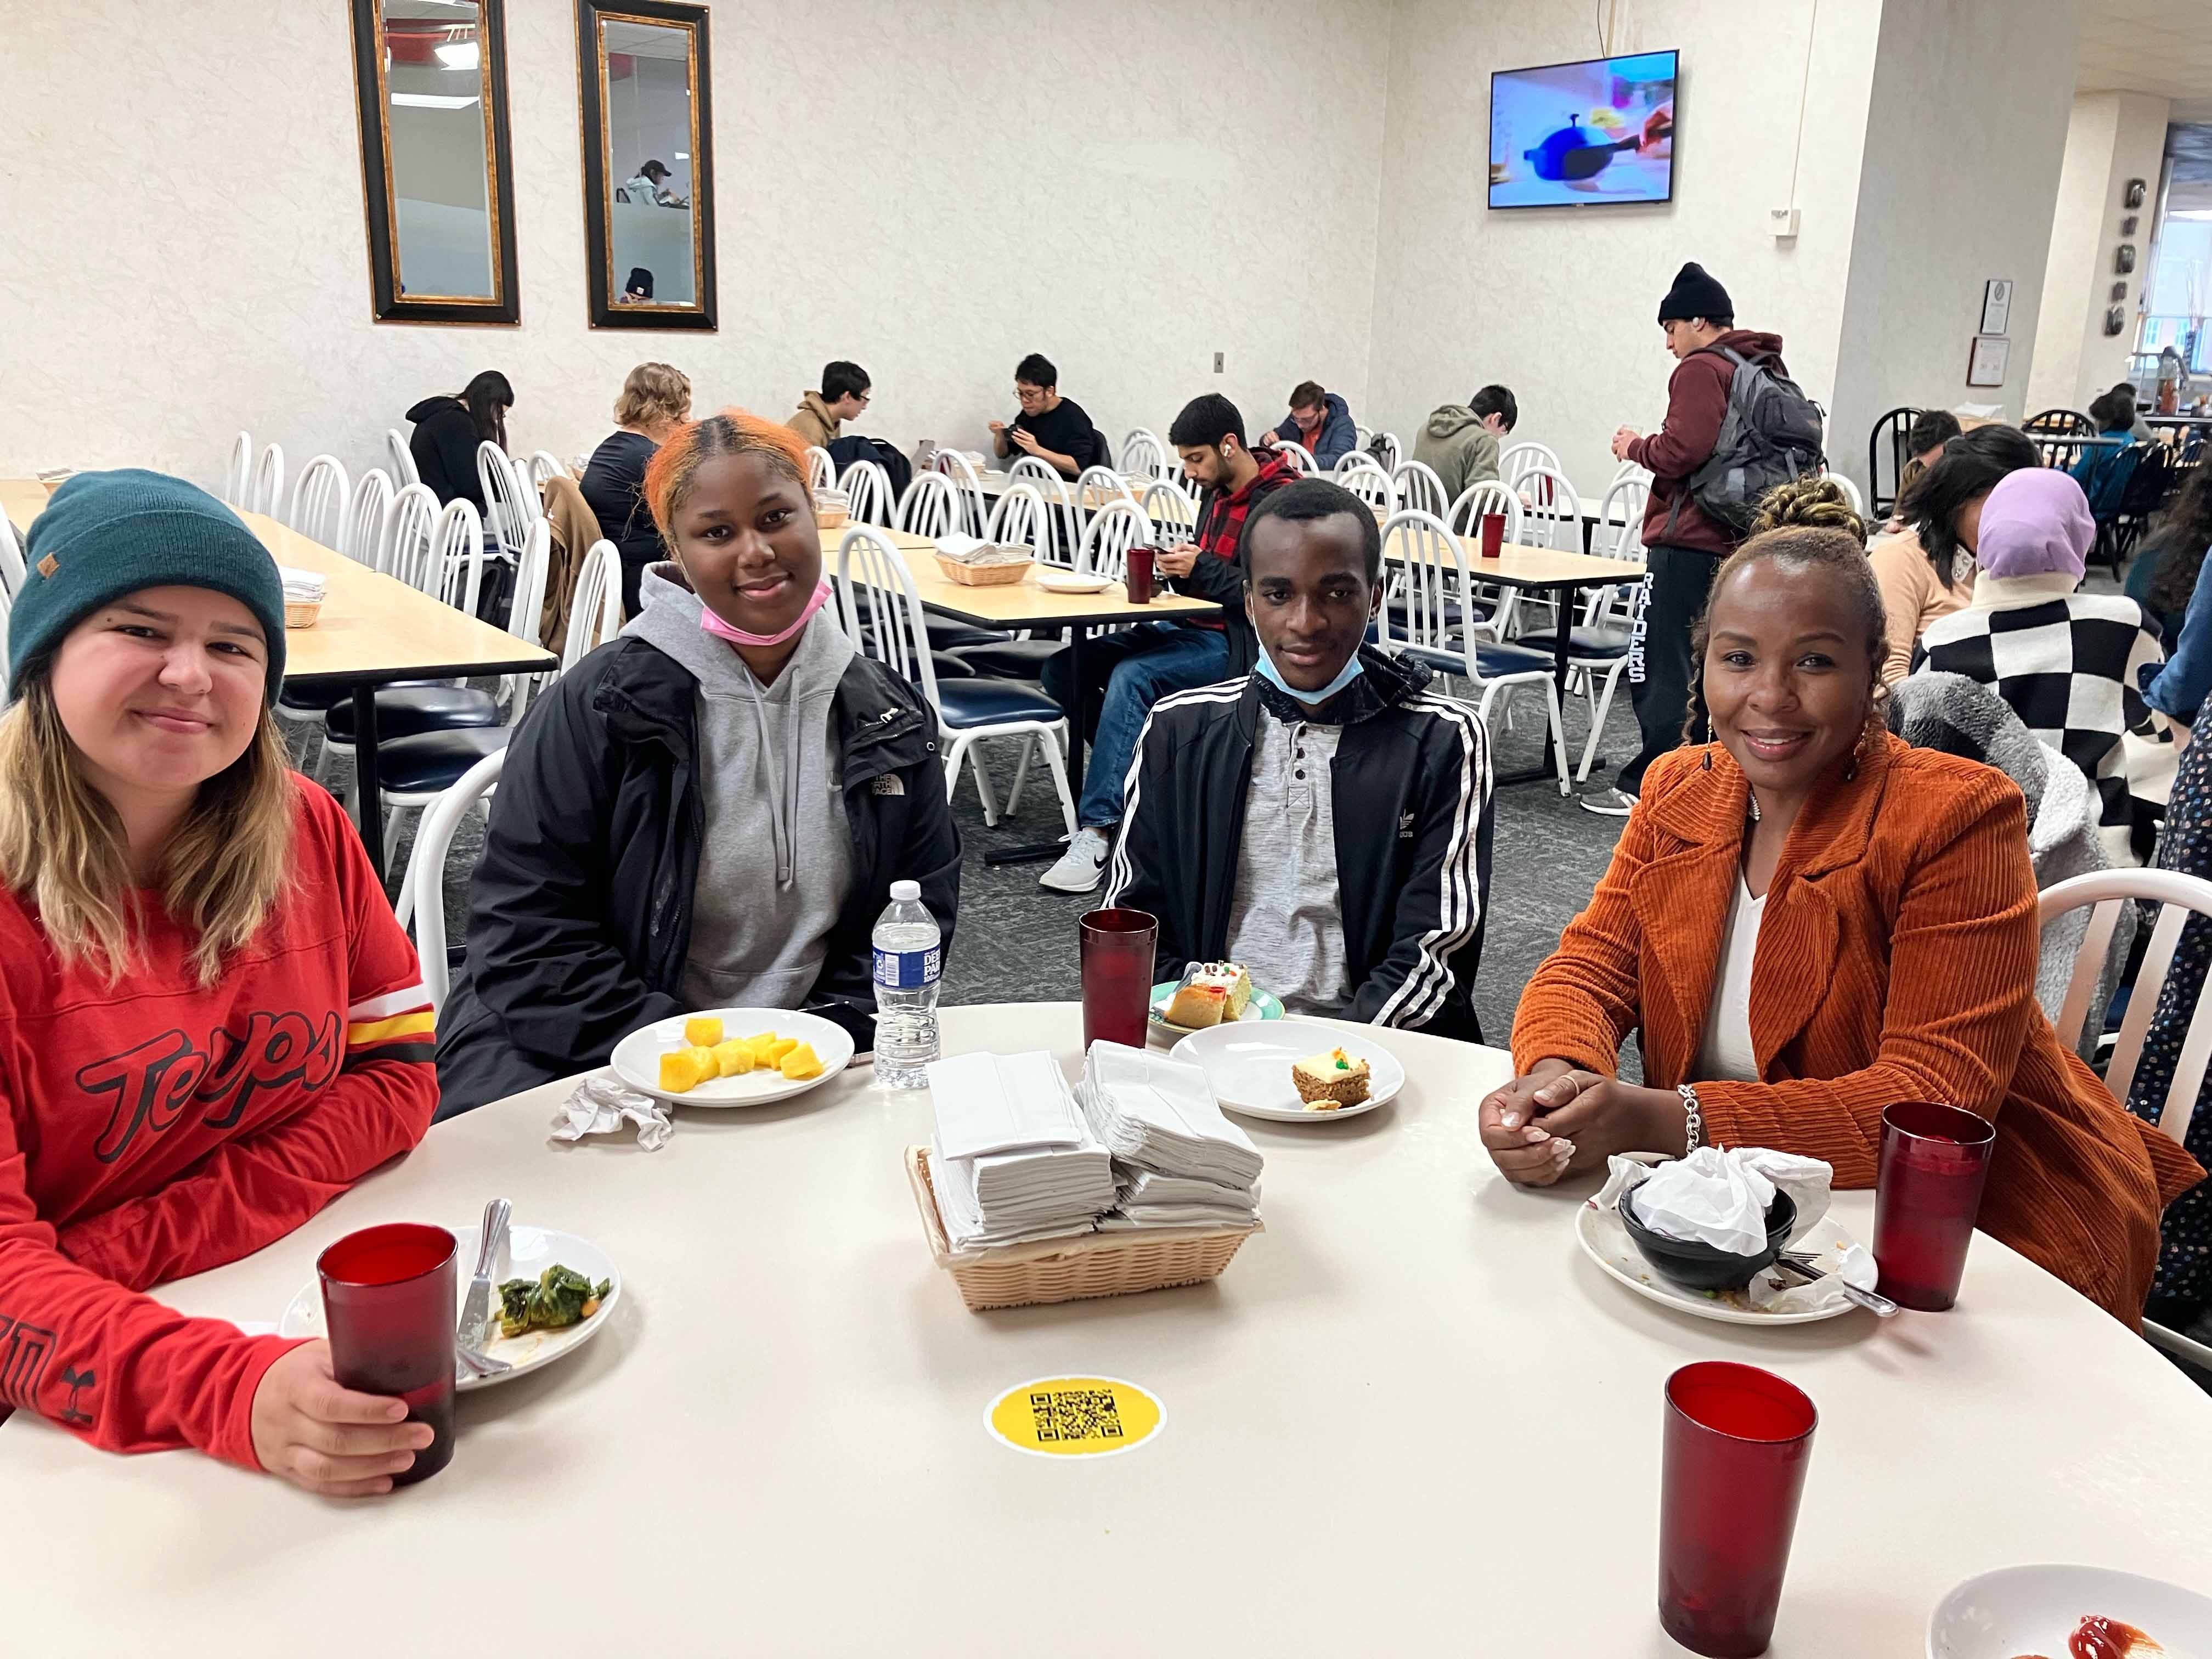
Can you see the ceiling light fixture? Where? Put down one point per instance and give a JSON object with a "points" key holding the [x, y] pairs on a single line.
{"points": [[431, 100], [459, 55]]}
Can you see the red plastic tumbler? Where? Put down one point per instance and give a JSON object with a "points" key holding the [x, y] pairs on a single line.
{"points": [[390, 1302], [1138, 579], [1737, 1442], [1493, 534], [1927, 1194], [1116, 957]]}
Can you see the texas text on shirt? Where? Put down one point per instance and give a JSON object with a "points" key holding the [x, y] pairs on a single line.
{"points": [[156, 1127]]}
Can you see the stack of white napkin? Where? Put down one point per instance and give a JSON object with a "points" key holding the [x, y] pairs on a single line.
{"points": [[303, 587], [1178, 1161], [1012, 1159]]}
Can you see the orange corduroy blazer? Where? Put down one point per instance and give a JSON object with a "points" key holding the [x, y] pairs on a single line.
{"points": [[1896, 961]]}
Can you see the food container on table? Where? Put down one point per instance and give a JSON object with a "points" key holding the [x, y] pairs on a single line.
{"points": [[1072, 1268], [304, 591], [1698, 1266], [988, 566], [832, 508]]}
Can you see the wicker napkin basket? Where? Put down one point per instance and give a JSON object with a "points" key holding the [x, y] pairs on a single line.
{"points": [[1071, 1269], [982, 576]]}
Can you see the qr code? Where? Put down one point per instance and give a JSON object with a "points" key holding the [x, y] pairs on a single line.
{"points": [[1068, 1414]]}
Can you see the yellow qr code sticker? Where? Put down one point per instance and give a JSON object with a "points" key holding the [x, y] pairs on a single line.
{"points": [[1075, 1416]]}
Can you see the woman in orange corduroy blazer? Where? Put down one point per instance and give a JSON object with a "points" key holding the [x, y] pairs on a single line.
{"points": [[1895, 956]]}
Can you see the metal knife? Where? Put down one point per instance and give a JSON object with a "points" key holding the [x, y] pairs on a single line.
{"points": [[476, 1309], [1869, 1300]]}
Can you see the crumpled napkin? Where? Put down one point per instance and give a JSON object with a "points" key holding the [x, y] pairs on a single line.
{"points": [[1720, 1197], [601, 1105]]}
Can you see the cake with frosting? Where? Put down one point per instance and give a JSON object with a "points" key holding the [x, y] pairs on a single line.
{"points": [[1212, 994], [1328, 1081]]}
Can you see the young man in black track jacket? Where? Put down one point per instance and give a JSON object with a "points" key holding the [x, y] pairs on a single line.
{"points": [[1324, 820]]}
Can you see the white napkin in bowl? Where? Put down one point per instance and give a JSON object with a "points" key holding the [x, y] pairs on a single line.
{"points": [[1720, 1197]]}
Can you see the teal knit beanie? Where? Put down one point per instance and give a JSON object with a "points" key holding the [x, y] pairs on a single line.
{"points": [[107, 534]]}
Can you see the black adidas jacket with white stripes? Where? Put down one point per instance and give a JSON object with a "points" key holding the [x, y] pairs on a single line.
{"points": [[1411, 786]]}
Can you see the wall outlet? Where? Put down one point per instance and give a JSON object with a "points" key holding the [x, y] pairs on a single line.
{"points": [[1782, 222], [1218, 356]]}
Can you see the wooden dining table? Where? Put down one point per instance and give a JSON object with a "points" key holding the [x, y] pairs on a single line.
{"points": [[373, 629]]}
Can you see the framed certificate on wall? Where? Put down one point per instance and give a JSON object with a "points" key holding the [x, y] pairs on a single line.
{"points": [[1986, 364], [1996, 304]]}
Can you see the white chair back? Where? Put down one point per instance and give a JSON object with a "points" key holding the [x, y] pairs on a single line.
{"points": [[1554, 518], [403, 459], [510, 505], [821, 470], [1360, 474], [1628, 470], [11, 559], [1393, 452], [265, 494], [1842, 481], [894, 631], [409, 550], [595, 614], [1300, 457], [1522, 457], [1477, 502], [1619, 532], [931, 507], [239, 477], [319, 498], [363, 537], [1022, 519], [425, 882], [530, 576], [1429, 587], [543, 465], [458, 555], [870, 487], [976, 512], [1113, 531], [1171, 509], [1109, 485], [1143, 452], [1028, 466], [1418, 488], [1362, 436]]}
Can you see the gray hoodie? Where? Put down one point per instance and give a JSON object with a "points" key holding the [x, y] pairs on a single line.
{"points": [[776, 864], [1459, 446]]}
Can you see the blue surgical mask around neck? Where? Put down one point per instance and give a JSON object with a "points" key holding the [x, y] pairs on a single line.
{"points": [[1344, 676]]}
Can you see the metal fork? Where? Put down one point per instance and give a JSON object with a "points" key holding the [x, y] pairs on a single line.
{"points": [[1803, 1268]]}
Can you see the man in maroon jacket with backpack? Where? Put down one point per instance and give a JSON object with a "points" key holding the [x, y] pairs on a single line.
{"points": [[1685, 545]]}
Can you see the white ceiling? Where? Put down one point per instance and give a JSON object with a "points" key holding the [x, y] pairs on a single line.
{"points": [[2162, 46]]}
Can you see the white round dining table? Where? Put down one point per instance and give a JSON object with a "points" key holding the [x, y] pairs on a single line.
{"points": [[1410, 1418]]}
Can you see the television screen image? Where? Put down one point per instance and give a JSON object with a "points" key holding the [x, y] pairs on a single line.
{"points": [[1576, 135]]}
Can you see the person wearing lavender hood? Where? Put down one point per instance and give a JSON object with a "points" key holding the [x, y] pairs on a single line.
{"points": [[2066, 661]]}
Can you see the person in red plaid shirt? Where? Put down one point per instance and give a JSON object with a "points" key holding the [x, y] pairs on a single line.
{"points": [[1131, 669]]}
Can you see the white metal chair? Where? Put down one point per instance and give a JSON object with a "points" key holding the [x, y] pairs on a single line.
{"points": [[1361, 437], [1360, 473], [1300, 457], [543, 465], [362, 539], [1094, 486], [1598, 650], [1028, 466], [265, 493], [1023, 518], [423, 894], [1113, 531], [892, 629], [1842, 481], [2180, 896], [11, 559], [1430, 575], [1553, 517], [1477, 502], [511, 506], [320, 495], [975, 511], [1418, 488], [1628, 470], [821, 470], [595, 613], [1393, 452], [1524, 457], [1142, 452], [404, 470], [931, 507], [238, 477], [869, 487], [1171, 508]]}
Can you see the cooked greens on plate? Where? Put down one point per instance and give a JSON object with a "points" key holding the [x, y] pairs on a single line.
{"points": [[558, 1298]]}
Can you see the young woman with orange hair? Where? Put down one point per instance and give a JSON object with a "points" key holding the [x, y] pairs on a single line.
{"points": [[710, 809]]}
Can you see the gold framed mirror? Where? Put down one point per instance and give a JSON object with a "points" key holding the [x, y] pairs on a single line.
{"points": [[647, 133], [437, 174]]}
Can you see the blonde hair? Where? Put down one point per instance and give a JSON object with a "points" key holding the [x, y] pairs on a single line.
{"points": [[653, 392], [62, 851]]}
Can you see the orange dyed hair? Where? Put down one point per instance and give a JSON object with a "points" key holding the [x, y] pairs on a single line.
{"points": [[733, 432]]}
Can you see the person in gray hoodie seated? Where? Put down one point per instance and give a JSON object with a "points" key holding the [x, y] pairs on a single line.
{"points": [[710, 809], [1321, 422], [1459, 442]]}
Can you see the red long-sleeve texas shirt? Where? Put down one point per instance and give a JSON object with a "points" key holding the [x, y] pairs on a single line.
{"points": [[158, 1127]]}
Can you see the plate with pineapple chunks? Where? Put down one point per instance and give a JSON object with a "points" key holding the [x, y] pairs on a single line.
{"points": [[732, 1056]]}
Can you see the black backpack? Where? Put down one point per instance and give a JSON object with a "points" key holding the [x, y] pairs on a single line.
{"points": [[1770, 435]]}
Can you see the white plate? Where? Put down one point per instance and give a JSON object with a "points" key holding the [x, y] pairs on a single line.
{"points": [[2018, 1610], [530, 1252], [1070, 581], [636, 1058], [1248, 1066], [1605, 1240]]}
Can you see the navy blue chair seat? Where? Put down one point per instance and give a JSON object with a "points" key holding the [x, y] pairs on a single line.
{"points": [[402, 712], [1498, 660], [431, 760], [993, 702], [1597, 642], [1012, 659]]}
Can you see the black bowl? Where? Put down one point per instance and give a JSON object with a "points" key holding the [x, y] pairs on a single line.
{"points": [[1697, 1267]]}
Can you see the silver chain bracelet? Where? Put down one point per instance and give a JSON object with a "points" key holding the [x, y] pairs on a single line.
{"points": [[1694, 1127]]}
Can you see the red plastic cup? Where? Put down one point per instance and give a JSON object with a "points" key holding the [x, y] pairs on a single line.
{"points": [[1934, 1160], [1116, 954], [1738, 1440], [1493, 534], [1138, 579], [390, 1303]]}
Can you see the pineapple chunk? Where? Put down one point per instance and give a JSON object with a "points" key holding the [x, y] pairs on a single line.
{"points": [[680, 1072], [758, 1042], [703, 1031], [801, 1063], [779, 1047], [733, 1058]]}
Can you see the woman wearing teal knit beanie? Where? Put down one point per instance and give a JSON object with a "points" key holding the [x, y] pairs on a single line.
{"points": [[209, 1021]]}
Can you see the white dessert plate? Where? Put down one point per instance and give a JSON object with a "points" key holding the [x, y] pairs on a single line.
{"points": [[636, 1058], [1070, 581], [1249, 1067], [530, 1252], [2037, 1609]]}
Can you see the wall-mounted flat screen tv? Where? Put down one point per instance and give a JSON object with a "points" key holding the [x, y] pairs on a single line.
{"points": [[1583, 135]]}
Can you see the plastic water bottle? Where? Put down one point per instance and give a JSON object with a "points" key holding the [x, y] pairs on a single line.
{"points": [[908, 963]]}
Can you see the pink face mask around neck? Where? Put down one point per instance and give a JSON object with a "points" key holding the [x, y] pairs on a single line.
{"points": [[721, 630]]}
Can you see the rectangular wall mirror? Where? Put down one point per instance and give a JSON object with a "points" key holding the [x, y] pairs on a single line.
{"points": [[649, 125], [430, 84]]}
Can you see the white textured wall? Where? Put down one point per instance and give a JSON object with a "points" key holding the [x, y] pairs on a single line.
{"points": [[1560, 304], [2112, 137], [932, 189], [1965, 131]]}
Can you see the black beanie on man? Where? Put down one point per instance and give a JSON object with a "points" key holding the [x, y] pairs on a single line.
{"points": [[1694, 294]]}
